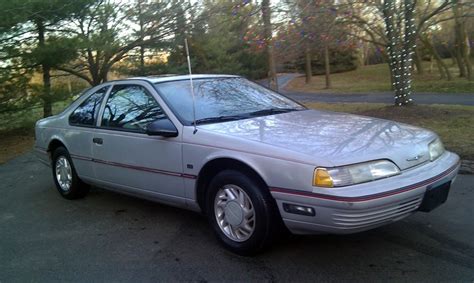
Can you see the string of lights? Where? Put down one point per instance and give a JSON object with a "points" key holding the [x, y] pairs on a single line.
{"points": [[401, 33]]}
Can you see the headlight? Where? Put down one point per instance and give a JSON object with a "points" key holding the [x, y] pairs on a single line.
{"points": [[354, 174], [436, 149]]}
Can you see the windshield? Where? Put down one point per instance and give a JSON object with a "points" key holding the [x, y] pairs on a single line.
{"points": [[223, 99]]}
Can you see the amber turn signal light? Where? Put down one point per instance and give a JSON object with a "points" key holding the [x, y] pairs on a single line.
{"points": [[322, 178]]}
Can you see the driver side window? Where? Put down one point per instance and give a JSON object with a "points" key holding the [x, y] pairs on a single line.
{"points": [[131, 108]]}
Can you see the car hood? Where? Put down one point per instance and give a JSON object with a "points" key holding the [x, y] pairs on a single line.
{"points": [[334, 138]]}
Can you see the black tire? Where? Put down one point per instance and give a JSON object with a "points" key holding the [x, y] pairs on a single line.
{"points": [[77, 189], [267, 217]]}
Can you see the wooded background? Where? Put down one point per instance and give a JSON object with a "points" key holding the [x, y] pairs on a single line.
{"points": [[52, 49]]}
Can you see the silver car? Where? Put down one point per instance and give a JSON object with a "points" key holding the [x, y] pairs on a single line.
{"points": [[255, 162]]}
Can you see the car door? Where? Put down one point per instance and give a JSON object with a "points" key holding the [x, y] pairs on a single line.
{"points": [[82, 123], [126, 158]]}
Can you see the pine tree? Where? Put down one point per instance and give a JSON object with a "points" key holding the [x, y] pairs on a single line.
{"points": [[30, 38]]}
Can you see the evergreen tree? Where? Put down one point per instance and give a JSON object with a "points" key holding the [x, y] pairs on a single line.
{"points": [[217, 40], [31, 38]]}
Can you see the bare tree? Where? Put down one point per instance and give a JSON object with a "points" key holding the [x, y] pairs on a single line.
{"points": [[316, 22], [104, 38], [396, 25], [461, 41], [267, 31], [444, 72]]}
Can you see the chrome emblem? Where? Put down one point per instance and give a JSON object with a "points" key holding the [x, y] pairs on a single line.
{"points": [[415, 158]]}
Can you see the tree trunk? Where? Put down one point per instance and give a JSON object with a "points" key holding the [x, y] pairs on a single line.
{"points": [[442, 68], [467, 61], [142, 59], [308, 68], [142, 28], [392, 82], [366, 52], [431, 64], [96, 80], [466, 51], [458, 41], [392, 76], [453, 58], [419, 62], [99, 73], [327, 66], [46, 70], [401, 34], [104, 74], [267, 27], [459, 62], [47, 99]]}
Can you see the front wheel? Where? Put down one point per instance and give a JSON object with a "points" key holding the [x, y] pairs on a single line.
{"points": [[65, 178], [241, 212]]}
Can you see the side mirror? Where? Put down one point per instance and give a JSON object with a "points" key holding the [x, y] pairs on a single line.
{"points": [[162, 127]]}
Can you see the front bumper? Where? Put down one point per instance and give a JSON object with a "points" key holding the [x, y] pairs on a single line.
{"points": [[365, 206]]}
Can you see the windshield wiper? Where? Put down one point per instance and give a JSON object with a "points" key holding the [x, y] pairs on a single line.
{"points": [[272, 111], [220, 119], [264, 112]]}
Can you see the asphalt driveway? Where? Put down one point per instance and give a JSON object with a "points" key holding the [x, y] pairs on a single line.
{"points": [[110, 237]]}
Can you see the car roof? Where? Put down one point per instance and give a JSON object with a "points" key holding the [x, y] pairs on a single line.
{"points": [[167, 78]]}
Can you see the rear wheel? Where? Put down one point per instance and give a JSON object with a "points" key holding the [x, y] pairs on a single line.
{"points": [[65, 178], [241, 212]]}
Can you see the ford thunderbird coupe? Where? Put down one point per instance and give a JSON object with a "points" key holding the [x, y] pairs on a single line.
{"points": [[255, 162]]}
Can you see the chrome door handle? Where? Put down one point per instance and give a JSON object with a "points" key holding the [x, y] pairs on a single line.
{"points": [[97, 140]]}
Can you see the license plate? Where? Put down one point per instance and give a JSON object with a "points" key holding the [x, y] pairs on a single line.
{"points": [[434, 197]]}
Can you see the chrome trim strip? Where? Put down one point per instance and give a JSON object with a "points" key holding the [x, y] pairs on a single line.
{"points": [[139, 168]]}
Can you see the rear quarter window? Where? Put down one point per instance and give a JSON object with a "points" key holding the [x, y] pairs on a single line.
{"points": [[86, 113]]}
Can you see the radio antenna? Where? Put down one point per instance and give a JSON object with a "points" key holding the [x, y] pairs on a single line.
{"points": [[191, 83]]}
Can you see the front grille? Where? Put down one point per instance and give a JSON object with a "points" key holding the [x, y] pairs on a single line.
{"points": [[362, 218]]}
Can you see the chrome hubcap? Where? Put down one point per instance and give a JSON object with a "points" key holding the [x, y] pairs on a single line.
{"points": [[234, 212], [63, 173]]}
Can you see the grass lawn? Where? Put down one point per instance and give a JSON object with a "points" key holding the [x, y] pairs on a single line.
{"points": [[376, 78], [453, 123]]}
